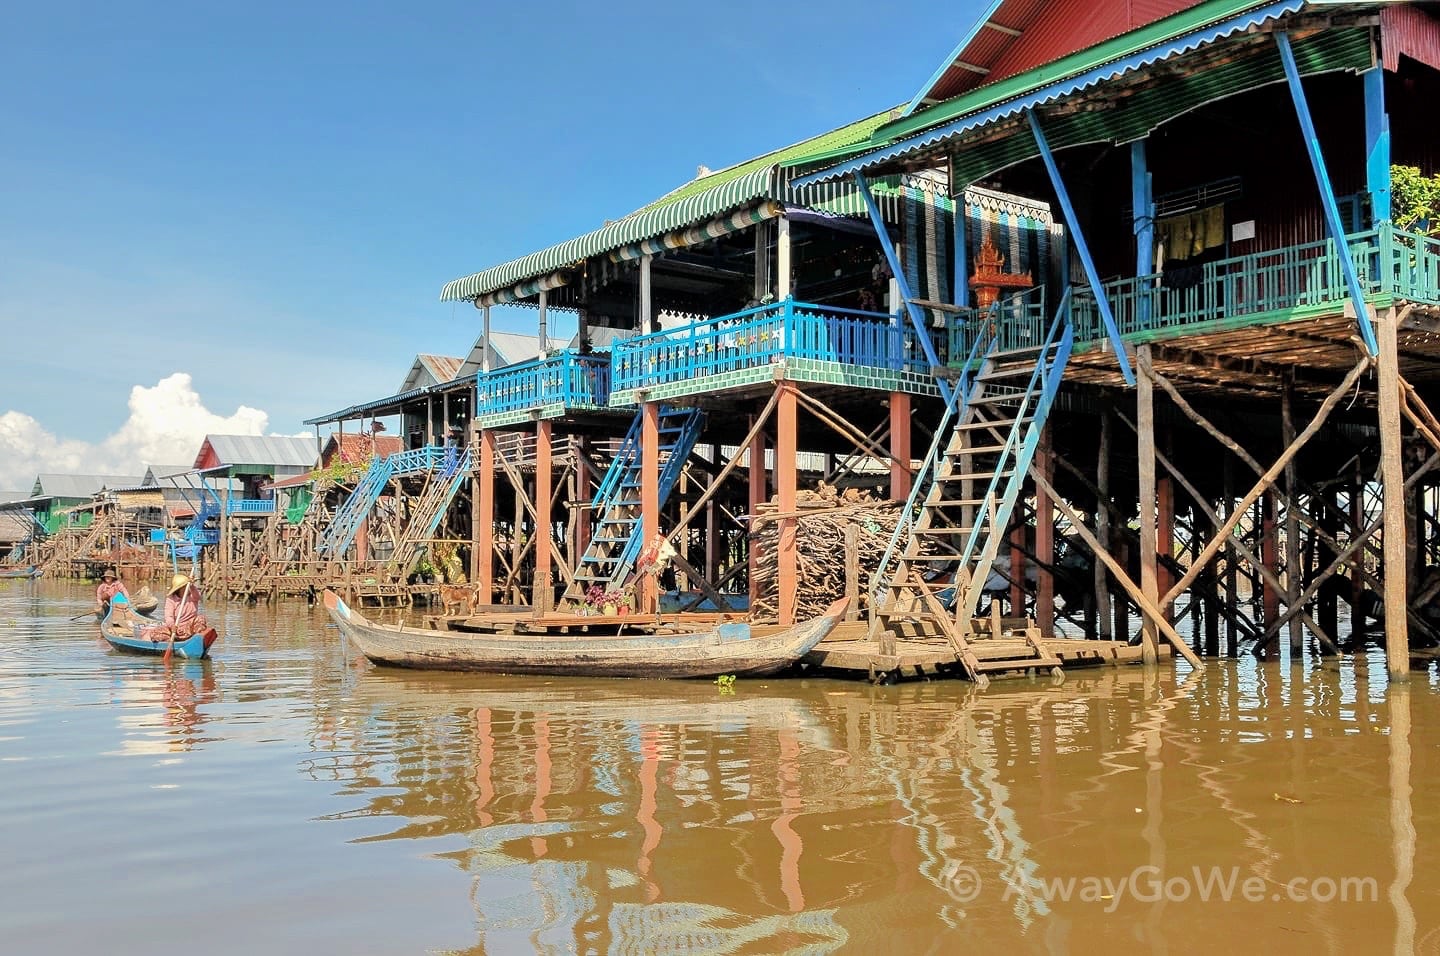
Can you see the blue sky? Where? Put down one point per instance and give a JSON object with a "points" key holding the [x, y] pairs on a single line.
{"points": [[269, 196]]}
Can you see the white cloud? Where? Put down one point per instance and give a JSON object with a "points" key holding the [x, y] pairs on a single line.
{"points": [[166, 425]]}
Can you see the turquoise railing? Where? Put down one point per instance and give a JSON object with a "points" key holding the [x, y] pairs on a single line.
{"points": [[762, 336], [425, 458], [1017, 321], [251, 506], [568, 379]]}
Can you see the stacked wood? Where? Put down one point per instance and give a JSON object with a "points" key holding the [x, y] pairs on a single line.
{"points": [[822, 516]]}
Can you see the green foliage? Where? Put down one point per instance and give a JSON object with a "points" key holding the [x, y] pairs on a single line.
{"points": [[726, 683], [1414, 200]]}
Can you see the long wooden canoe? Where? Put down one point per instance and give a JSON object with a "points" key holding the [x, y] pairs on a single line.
{"points": [[730, 647], [30, 572], [123, 639]]}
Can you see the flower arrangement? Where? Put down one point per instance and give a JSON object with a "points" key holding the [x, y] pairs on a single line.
{"points": [[600, 601]]}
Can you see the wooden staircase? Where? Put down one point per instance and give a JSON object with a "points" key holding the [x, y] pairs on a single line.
{"points": [[934, 572]]}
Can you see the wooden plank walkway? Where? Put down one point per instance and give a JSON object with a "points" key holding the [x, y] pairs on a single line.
{"points": [[849, 651]]}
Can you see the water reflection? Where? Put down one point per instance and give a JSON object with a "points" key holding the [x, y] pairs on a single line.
{"points": [[162, 709], [799, 816]]}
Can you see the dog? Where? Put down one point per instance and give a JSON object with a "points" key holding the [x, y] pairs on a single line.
{"points": [[459, 597]]}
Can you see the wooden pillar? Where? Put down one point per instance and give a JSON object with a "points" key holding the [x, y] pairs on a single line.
{"points": [[1270, 556], [1165, 538], [544, 331], [1145, 431], [647, 314], [1357, 563], [1328, 604], [483, 519], [485, 350], [1045, 537], [758, 494], [1392, 480], [1017, 570], [1143, 225], [899, 446], [649, 601], [584, 494], [1231, 582], [1102, 528], [1377, 146], [543, 589], [786, 448], [1294, 574]]}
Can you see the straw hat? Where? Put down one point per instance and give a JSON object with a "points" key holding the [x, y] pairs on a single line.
{"points": [[177, 582], [109, 573]]}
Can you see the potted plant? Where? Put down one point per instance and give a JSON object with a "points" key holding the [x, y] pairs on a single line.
{"points": [[606, 603]]}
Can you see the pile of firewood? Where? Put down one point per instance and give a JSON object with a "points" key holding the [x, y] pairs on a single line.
{"points": [[822, 517]]}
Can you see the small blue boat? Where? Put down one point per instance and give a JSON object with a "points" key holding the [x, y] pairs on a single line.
{"points": [[123, 638]]}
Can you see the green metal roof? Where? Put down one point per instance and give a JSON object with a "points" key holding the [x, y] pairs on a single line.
{"points": [[695, 202]]}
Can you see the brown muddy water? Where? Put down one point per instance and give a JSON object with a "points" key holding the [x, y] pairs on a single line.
{"points": [[287, 797]]}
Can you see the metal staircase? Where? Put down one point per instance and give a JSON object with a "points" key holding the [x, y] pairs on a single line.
{"points": [[427, 512], [960, 507], [616, 543], [350, 515], [196, 532]]}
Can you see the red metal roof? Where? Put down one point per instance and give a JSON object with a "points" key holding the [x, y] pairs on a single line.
{"points": [[357, 447], [1019, 35]]}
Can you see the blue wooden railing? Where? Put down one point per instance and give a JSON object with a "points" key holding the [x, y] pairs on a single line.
{"points": [[762, 336], [1017, 321], [251, 506], [567, 379]]}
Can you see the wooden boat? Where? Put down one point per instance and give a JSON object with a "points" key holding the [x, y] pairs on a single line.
{"points": [[30, 572], [143, 604], [123, 639], [723, 647]]}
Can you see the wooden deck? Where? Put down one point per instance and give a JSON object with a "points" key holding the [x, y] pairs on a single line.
{"points": [[850, 652]]}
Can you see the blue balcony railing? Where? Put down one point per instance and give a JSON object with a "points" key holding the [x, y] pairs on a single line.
{"points": [[567, 379], [251, 506], [1019, 319], [763, 336]]}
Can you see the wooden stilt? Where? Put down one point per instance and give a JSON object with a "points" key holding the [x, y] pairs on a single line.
{"points": [[1045, 538], [1357, 568], [1392, 480], [649, 598], [1102, 528], [1270, 561], [1145, 433], [757, 488], [899, 446], [786, 453], [543, 588], [1294, 573]]}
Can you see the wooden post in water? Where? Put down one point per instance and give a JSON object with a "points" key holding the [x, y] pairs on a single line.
{"points": [[1045, 537], [1357, 565], [1102, 527], [1392, 480], [1270, 555], [1294, 574], [543, 592], [1232, 581], [786, 449], [757, 494], [1145, 433], [483, 518], [649, 599]]}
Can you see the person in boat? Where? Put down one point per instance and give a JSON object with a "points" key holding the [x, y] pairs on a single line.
{"points": [[110, 586], [182, 613]]}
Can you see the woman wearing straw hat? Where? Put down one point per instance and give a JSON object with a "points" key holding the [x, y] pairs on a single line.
{"points": [[182, 612], [110, 585]]}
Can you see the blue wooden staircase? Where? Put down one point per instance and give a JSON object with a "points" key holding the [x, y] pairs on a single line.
{"points": [[934, 571], [196, 532], [616, 543], [429, 509], [350, 515]]}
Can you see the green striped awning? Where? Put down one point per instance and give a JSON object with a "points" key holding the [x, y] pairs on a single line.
{"points": [[645, 224]]}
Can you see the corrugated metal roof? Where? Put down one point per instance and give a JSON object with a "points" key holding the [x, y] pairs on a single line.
{"points": [[1010, 99], [1018, 35], [506, 348], [438, 369], [261, 450], [13, 495], [1146, 109], [702, 198], [79, 486]]}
